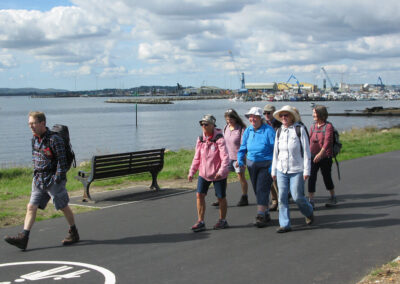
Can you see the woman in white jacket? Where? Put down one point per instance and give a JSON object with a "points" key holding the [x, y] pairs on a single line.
{"points": [[291, 166]]}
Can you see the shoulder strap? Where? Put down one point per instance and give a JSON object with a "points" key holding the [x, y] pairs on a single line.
{"points": [[218, 136], [226, 125], [278, 133], [298, 132]]}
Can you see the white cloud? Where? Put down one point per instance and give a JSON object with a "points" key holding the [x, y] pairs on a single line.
{"points": [[167, 37], [114, 72], [7, 61]]}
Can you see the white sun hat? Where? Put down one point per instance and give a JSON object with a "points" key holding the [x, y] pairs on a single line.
{"points": [[254, 111], [288, 109]]}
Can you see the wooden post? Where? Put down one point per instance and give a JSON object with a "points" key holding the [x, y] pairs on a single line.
{"points": [[136, 94]]}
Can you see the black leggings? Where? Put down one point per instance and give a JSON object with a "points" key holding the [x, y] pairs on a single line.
{"points": [[326, 171]]}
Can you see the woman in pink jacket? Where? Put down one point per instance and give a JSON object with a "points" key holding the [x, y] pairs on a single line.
{"points": [[211, 159]]}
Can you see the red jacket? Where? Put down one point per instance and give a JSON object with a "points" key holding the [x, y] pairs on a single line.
{"points": [[318, 140]]}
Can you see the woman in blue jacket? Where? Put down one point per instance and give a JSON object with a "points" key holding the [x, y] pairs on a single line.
{"points": [[258, 147]]}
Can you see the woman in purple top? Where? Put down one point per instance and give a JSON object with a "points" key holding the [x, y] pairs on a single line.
{"points": [[321, 142], [233, 132]]}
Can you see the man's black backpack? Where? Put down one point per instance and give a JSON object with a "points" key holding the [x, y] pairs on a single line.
{"points": [[62, 131]]}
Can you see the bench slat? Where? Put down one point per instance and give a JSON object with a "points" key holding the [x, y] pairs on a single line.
{"points": [[122, 172], [127, 167], [129, 154], [111, 162]]}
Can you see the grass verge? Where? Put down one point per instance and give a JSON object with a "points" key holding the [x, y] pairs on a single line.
{"points": [[386, 274]]}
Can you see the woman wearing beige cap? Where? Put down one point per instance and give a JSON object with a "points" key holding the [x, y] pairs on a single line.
{"points": [[291, 166]]}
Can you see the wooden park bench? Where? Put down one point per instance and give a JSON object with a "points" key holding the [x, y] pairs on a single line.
{"points": [[122, 164]]}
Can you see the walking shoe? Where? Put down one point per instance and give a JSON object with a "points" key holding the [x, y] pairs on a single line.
{"points": [[221, 224], [310, 219], [282, 230], [216, 203], [262, 220], [198, 227], [71, 238], [244, 201], [274, 206], [20, 241], [332, 202]]}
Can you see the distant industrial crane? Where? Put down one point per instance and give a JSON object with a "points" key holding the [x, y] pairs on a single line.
{"points": [[329, 80], [179, 89], [297, 82], [241, 75], [380, 83]]}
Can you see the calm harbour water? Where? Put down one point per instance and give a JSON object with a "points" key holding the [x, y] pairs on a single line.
{"points": [[97, 127]]}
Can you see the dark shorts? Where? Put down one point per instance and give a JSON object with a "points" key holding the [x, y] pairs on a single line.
{"points": [[57, 192], [219, 186]]}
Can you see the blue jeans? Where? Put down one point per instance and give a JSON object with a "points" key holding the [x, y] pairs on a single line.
{"points": [[261, 180], [294, 183]]}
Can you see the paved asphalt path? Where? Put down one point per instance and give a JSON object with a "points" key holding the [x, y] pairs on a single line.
{"points": [[151, 242]]}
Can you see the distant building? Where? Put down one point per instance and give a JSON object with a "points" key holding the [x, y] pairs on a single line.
{"points": [[203, 90], [261, 87]]}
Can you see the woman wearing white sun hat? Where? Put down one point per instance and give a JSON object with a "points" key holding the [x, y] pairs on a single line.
{"points": [[291, 166], [257, 147]]}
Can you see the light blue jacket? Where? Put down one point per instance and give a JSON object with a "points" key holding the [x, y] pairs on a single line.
{"points": [[257, 144]]}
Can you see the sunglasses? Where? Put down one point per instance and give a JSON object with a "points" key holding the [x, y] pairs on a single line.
{"points": [[284, 115], [266, 112], [204, 124]]}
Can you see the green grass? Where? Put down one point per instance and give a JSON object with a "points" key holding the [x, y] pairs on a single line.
{"points": [[368, 141]]}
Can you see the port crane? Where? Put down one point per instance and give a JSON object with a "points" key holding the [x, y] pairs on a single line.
{"points": [[380, 83], [329, 80], [297, 82], [241, 75]]}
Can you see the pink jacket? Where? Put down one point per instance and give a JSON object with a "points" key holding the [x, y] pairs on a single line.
{"points": [[210, 158]]}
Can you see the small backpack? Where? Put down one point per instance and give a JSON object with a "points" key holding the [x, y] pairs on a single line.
{"points": [[337, 146], [62, 131]]}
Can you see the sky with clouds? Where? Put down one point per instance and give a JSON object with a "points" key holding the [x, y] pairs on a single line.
{"points": [[97, 44]]}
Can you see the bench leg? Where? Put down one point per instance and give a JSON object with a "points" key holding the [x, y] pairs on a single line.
{"points": [[86, 195], [154, 184]]}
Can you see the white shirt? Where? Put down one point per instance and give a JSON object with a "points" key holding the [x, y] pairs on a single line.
{"points": [[288, 159]]}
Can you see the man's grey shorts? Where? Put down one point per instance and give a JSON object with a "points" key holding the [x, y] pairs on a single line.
{"points": [[57, 192]]}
